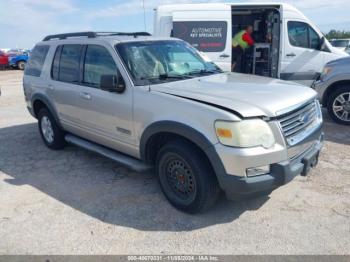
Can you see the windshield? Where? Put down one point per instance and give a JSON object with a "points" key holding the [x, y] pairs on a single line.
{"points": [[340, 43], [162, 61]]}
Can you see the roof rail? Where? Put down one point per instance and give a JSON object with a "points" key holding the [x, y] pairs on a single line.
{"points": [[134, 34], [64, 36], [95, 34]]}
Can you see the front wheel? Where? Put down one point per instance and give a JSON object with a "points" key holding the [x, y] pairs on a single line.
{"points": [[186, 178], [339, 105]]}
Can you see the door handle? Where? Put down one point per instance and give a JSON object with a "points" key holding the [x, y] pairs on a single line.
{"points": [[224, 56], [291, 55], [51, 87], [85, 95]]}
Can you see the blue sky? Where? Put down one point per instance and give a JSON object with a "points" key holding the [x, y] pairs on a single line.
{"points": [[24, 22]]}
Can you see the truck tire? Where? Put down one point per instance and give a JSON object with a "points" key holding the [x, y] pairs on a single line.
{"points": [[339, 105], [186, 178], [50, 132], [21, 65]]}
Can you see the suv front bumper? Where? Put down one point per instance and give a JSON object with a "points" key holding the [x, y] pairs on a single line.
{"points": [[280, 173]]}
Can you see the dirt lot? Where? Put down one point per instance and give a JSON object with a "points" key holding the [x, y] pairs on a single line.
{"points": [[74, 202]]}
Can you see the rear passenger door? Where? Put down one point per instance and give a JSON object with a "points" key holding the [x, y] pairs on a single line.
{"points": [[106, 116], [64, 85]]}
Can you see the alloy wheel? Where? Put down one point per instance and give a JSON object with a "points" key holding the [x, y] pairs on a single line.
{"points": [[341, 107], [47, 130]]}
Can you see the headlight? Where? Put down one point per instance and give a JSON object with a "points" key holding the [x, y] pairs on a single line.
{"points": [[246, 133], [326, 71]]}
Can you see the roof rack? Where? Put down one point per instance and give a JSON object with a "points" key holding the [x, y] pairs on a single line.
{"points": [[134, 34], [64, 36], [95, 34]]}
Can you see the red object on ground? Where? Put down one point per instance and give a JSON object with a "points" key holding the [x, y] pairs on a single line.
{"points": [[247, 38], [4, 60]]}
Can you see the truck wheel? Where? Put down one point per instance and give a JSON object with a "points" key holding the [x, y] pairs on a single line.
{"points": [[52, 135], [186, 178], [339, 105], [21, 65]]}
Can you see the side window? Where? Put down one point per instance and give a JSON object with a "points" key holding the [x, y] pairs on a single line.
{"points": [[302, 35], [314, 39], [69, 63], [36, 61], [98, 62], [298, 34]]}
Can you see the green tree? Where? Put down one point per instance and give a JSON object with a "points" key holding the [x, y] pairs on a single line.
{"points": [[337, 34]]}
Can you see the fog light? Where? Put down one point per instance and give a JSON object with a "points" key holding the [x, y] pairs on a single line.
{"points": [[258, 171]]}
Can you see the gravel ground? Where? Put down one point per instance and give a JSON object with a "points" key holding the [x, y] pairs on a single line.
{"points": [[74, 202]]}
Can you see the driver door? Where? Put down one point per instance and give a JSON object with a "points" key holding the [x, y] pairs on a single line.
{"points": [[302, 59], [105, 116]]}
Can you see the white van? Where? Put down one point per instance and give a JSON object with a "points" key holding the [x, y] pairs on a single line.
{"points": [[287, 44]]}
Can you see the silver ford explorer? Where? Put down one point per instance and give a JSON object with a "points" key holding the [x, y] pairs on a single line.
{"points": [[157, 103]]}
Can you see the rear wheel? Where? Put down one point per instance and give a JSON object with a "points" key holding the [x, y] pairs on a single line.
{"points": [[21, 65], [186, 178], [50, 132], [339, 105]]}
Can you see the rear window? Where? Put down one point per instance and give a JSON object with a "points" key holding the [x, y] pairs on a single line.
{"points": [[205, 36], [36, 61]]}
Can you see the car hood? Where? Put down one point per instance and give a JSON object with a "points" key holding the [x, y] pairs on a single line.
{"points": [[339, 51], [247, 95], [344, 61], [341, 48]]}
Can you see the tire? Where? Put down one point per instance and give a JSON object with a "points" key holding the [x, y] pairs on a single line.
{"points": [[21, 65], [50, 132], [340, 99], [186, 178]]}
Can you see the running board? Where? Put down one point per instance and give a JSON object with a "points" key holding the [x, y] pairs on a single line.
{"points": [[127, 161]]}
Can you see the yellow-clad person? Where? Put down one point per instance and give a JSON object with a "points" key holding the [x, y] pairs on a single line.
{"points": [[240, 42]]}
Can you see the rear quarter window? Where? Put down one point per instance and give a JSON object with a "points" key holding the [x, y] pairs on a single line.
{"points": [[36, 60]]}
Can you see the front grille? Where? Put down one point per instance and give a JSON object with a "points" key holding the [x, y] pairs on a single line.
{"points": [[296, 122]]}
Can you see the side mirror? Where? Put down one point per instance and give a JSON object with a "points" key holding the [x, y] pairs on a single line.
{"points": [[113, 83], [323, 46]]}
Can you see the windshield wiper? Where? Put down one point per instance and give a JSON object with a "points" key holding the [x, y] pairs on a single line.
{"points": [[203, 72], [165, 77]]}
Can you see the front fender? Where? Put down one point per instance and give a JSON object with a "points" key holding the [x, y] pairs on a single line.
{"points": [[187, 132]]}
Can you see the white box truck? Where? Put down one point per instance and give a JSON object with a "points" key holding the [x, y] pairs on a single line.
{"points": [[287, 44]]}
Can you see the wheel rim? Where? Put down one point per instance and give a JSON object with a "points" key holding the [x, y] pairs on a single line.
{"points": [[46, 129], [21, 66], [180, 179], [341, 107]]}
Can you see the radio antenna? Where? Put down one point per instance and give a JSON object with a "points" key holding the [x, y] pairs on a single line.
{"points": [[144, 14]]}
